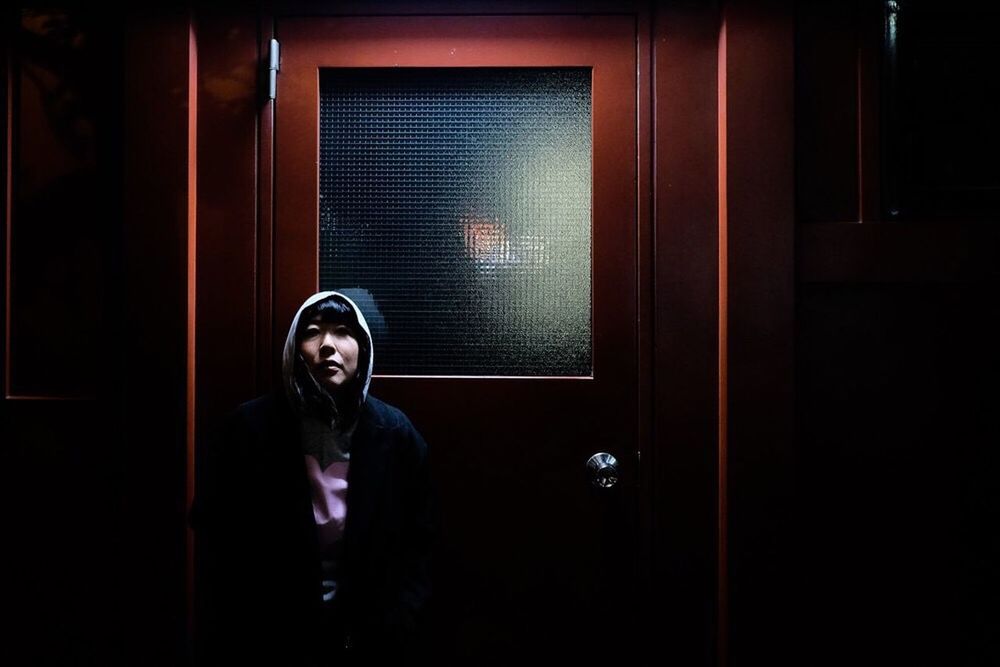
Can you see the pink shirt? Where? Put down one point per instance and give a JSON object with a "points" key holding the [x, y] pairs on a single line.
{"points": [[329, 496]]}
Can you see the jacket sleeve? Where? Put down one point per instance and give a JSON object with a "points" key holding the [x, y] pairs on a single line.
{"points": [[408, 619]]}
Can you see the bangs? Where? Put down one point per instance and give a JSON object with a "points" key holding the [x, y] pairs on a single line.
{"points": [[330, 311]]}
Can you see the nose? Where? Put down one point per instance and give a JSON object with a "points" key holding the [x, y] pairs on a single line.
{"points": [[327, 342]]}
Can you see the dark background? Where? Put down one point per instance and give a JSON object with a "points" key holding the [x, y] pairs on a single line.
{"points": [[885, 547]]}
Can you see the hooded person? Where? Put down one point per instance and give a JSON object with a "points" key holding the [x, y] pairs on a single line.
{"points": [[313, 510], [326, 368], [327, 407]]}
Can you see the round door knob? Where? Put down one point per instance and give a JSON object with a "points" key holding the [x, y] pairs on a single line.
{"points": [[603, 469]]}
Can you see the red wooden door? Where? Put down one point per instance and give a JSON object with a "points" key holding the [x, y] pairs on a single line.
{"points": [[531, 556]]}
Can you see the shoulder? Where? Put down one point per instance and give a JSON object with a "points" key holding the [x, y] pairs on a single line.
{"points": [[385, 415], [393, 421], [258, 408], [249, 424], [261, 412]]}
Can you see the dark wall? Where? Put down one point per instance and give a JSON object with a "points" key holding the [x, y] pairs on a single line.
{"points": [[94, 403], [61, 414], [896, 472], [896, 356]]}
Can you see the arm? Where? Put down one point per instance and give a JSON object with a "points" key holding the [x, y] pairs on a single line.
{"points": [[408, 619]]}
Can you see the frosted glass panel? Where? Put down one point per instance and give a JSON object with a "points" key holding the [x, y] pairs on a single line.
{"points": [[455, 207]]}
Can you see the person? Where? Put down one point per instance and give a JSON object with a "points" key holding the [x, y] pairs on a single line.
{"points": [[313, 512]]}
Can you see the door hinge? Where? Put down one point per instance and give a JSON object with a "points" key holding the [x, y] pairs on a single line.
{"points": [[274, 65]]}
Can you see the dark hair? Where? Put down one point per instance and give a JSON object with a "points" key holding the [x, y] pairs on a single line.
{"points": [[331, 310]]}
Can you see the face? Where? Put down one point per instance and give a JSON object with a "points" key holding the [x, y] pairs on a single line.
{"points": [[331, 350]]}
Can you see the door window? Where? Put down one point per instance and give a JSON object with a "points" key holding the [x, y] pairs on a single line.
{"points": [[455, 208]]}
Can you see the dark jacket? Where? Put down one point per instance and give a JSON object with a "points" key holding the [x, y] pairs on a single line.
{"points": [[258, 592]]}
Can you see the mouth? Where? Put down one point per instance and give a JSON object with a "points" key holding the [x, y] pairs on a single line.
{"points": [[331, 367]]}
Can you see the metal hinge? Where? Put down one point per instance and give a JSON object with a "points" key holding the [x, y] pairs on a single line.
{"points": [[274, 65]]}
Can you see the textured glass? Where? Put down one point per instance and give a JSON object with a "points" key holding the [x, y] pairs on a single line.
{"points": [[455, 207]]}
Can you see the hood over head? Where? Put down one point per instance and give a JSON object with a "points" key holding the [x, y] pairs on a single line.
{"points": [[304, 393]]}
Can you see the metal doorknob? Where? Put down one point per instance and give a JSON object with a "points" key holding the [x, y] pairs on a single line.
{"points": [[603, 469]]}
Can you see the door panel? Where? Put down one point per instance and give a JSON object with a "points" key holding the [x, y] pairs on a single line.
{"points": [[531, 556]]}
